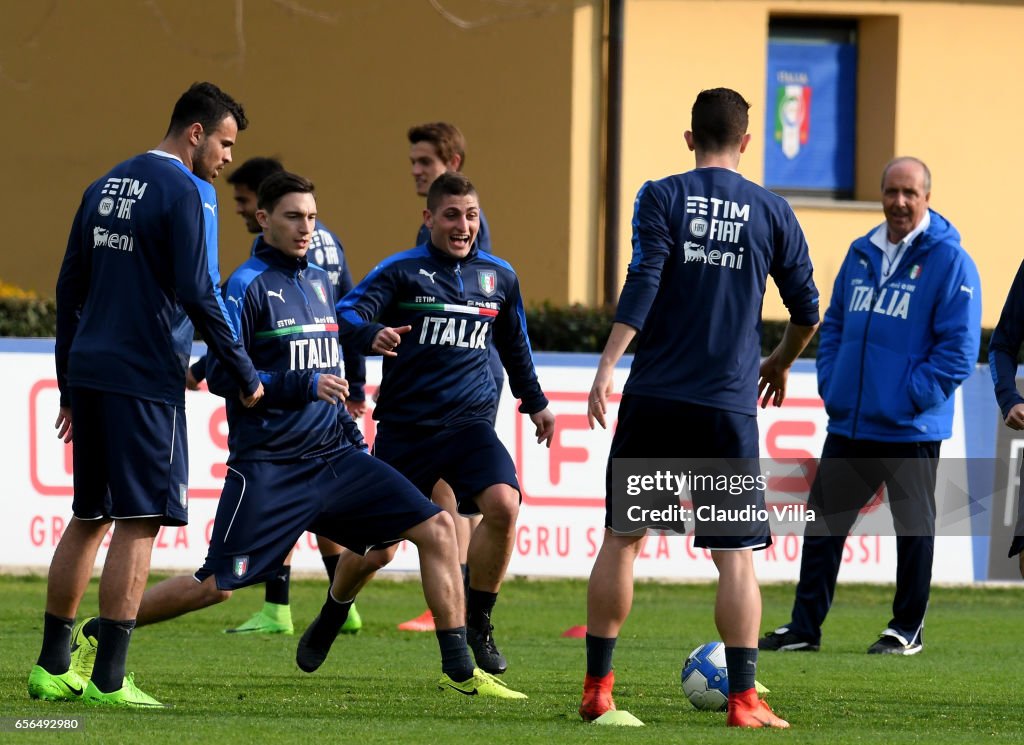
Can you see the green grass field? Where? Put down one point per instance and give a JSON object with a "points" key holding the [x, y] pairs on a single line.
{"points": [[966, 687]]}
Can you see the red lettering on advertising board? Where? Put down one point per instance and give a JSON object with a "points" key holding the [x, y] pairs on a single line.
{"points": [[561, 453]]}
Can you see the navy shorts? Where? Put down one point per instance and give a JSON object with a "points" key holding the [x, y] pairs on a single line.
{"points": [[130, 458], [470, 458], [351, 498], [661, 428]]}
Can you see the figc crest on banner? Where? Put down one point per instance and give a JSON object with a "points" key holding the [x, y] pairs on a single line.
{"points": [[792, 116]]}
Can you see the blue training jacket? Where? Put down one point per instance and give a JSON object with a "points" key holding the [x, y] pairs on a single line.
{"points": [[283, 308], [141, 261], [482, 243], [457, 310], [704, 244], [891, 356]]}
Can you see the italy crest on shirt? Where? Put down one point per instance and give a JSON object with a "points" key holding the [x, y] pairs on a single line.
{"points": [[488, 280], [318, 288]]}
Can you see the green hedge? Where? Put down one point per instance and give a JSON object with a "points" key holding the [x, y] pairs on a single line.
{"points": [[27, 317], [573, 328]]}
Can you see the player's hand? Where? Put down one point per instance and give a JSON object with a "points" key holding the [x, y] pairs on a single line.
{"points": [[331, 388], [387, 340], [1015, 419], [190, 380], [544, 421], [771, 387], [356, 409], [597, 401], [63, 424], [252, 400]]}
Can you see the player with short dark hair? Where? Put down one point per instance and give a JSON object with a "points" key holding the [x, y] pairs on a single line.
{"points": [[704, 244], [327, 252], [436, 148], [433, 312], [141, 261]]}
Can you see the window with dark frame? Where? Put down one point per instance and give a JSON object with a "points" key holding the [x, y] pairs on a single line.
{"points": [[811, 113]]}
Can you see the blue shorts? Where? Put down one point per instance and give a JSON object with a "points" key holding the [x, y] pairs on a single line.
{"points": [[350, 497], [130, 458], [470, 458], [661, 428]]}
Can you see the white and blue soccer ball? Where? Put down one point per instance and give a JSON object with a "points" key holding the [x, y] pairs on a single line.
{"points": [[705, 680]]}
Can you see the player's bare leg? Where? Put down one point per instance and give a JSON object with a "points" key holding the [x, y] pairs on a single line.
{"points": [[443, 496], [609, 600], [738, 618]]}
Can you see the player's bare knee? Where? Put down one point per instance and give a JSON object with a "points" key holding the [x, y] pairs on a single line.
{"points": [[499, 505], [209, 594], [437, 530], [375, 560]]}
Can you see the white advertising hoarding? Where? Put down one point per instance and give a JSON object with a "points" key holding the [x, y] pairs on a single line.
{"points": [[562, 516]]}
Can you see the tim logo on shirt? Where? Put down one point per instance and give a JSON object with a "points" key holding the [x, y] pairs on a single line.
{"points": [[713, 220]]}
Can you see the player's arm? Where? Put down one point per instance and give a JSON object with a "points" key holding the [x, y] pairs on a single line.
{"points": [[956, 327], [195, 374], [72, 288], [652, 244], [355, 363], [351, 429], [774, 373], [1003, 349], [830, 333], [793, 274], [604, 379], [195, 283], [282, 389], [513, 342], [358, 309]]}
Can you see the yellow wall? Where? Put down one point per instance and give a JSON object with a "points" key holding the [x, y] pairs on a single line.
{"points": [[957, 106], [332, 85]]}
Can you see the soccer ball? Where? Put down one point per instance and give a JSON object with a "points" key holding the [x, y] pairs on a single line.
{"points": [[705, 680]]}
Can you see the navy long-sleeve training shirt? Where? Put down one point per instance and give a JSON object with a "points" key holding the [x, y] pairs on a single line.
{"points": [[457, 310], [141, 261], [704, 244]]}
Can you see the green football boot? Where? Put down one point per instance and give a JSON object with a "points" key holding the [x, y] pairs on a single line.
{"points": [[271, 619], [49, 687], [127, 695]]}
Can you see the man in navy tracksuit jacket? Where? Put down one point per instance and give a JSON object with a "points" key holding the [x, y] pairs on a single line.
{"points": [[900, 335], [325, 251], [435, 148], [295, 461], [434, 312], [141, 261], [1003, 348]]}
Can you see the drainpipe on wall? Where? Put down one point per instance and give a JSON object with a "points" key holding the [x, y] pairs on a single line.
{"points": [[615, 24]]}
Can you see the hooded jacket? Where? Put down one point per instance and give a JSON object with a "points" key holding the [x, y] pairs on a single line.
{"points": [[891, 355]]}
